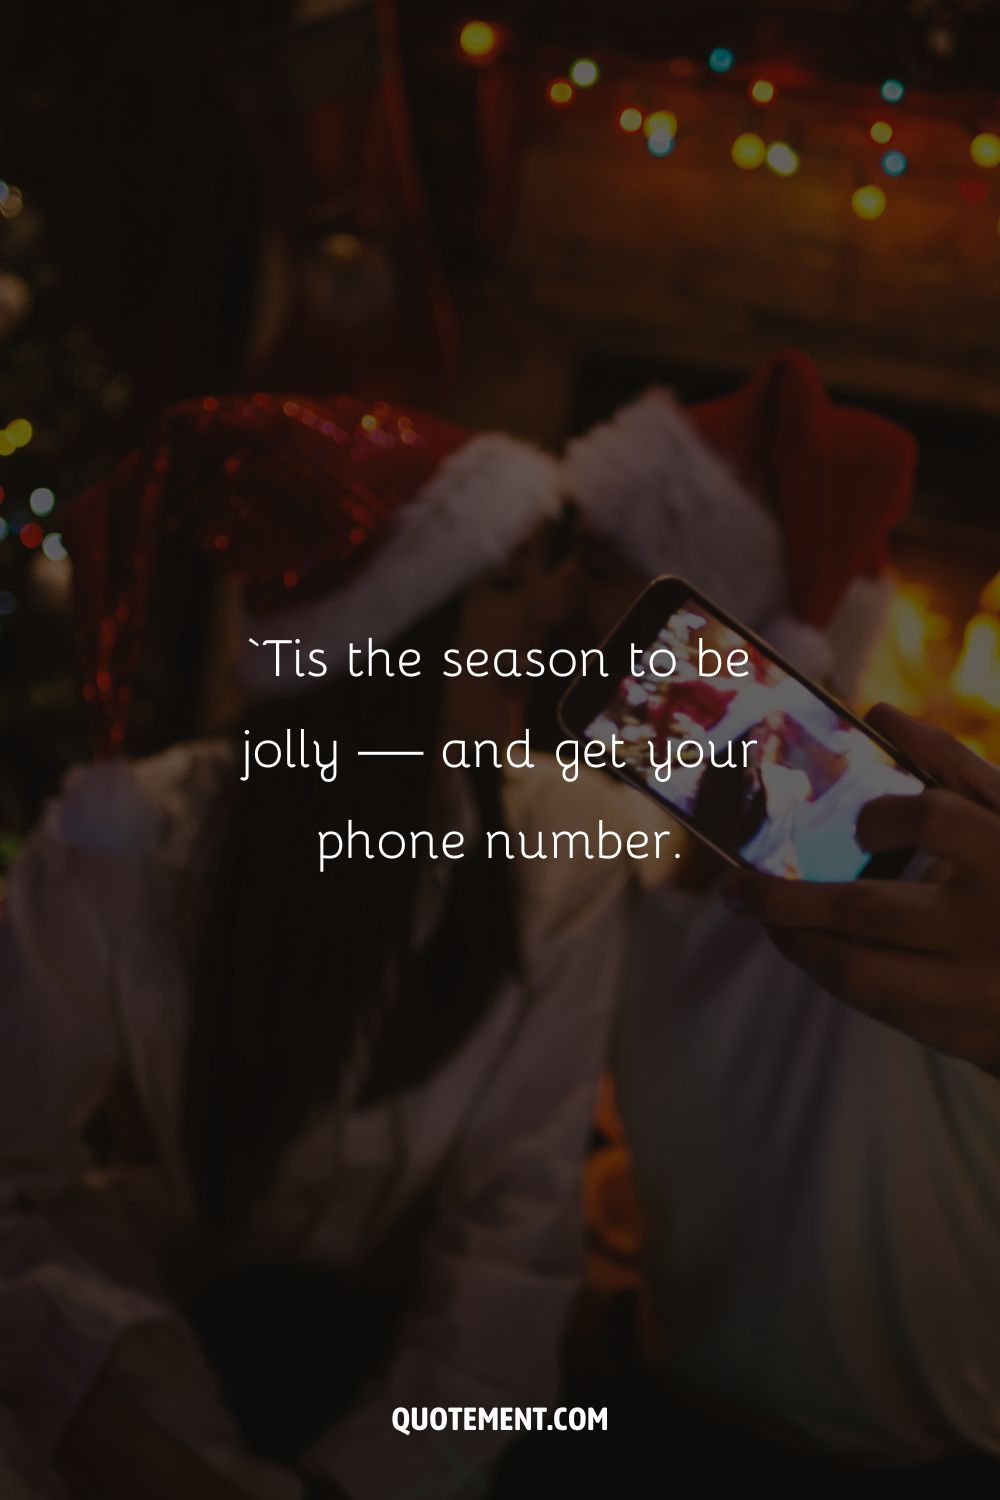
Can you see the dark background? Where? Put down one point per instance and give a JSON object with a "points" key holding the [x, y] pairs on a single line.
{"points": [[160, 150]]}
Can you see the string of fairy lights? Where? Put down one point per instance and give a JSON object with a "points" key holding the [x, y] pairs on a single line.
{"points": [[29, 524], [482, 42], [41, 502], [26, 524]]}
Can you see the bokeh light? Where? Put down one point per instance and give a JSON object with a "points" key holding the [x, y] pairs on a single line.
{"points": [[894, 163], [478, 39], [985, 149], [782, 159], [720, 59], [560, 92], [868, 202], [660, 122], [762, 91], [661, 143], [892, 91], [584, 72], [41, 502], [881, 132], [11, 202], [748, 151], [630, 119], [973, 189]]}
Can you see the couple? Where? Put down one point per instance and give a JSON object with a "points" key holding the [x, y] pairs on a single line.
{"points": [[356, 1106]]}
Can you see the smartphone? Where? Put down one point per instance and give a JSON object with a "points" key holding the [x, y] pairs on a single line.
{"points": [[760, 763]]}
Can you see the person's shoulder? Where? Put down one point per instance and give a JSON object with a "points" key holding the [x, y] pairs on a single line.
{"points": [[140, 807]]}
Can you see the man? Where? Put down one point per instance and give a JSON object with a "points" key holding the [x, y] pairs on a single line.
{"points": [[819, 1181]]}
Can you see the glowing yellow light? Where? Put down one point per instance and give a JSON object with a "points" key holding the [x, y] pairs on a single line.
{"points": [[368, 422], [343, 246], [748, 151], [913, 625], [985, 149], [782, 159], [881, 132], [477, 39], [630, 120], [560, 91], [584, 72], [762, 91], [990, 597], [975, 744], [904, 660], [19, 432], [976, 676], [660, 122], [6, 446], [868, 202]]}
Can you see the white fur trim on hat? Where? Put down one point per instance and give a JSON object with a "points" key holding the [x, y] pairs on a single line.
{"points": [[484, 500], [854, 629], [801, 644], [648, 481]]}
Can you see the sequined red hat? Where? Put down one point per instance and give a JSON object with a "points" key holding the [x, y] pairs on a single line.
{"points": [[342, 520]]}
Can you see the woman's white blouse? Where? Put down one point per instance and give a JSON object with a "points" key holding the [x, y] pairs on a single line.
{"points": [[92, 986]]}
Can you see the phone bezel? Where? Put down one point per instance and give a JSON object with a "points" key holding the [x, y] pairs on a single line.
{"points": [[587, 696]]}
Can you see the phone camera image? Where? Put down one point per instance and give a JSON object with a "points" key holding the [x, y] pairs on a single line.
{"points": [[754, 760]]}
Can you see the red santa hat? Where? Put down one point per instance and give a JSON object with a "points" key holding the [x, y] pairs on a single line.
{"points": [[341, 520], [776, 500]]}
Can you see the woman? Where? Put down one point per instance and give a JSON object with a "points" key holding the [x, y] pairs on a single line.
{"points": [[364, 1094]]}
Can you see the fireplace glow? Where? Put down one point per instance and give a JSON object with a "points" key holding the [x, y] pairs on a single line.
{"points": [[976, 678], [938, 661]]}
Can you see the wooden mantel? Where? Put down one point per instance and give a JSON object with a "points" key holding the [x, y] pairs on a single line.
{"points": [[688, 259]]}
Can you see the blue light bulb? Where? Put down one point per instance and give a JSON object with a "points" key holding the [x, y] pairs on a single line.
{"points": [[720, 59]]}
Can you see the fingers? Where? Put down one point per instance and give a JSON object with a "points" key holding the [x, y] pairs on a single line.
{"points": [[938, 752], [894, 913], [871, 979], [936, 822], [914, 993]]}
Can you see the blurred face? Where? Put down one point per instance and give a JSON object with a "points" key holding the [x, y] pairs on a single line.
{"points": [[604, 588], [606, 585], [514, 607]]}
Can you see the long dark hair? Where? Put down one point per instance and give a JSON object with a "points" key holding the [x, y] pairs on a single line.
{"points": [[730, 805], [297, 973]]}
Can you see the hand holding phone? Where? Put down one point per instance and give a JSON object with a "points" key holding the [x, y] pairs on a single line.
{"points": [[921, 957], [760, 763]]}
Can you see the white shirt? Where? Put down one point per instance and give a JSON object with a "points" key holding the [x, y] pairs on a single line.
{"points": [[91, 982], [821, 1196]]}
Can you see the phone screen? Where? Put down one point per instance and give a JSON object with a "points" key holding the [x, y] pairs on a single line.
{"points": [[761, 764]]}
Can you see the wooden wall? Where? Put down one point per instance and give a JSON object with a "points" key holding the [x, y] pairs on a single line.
{"points": [[689, 260]]}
